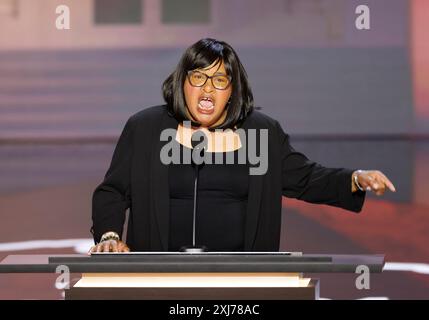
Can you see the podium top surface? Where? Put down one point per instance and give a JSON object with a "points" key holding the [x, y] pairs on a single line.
{"points": [[185, 262]]}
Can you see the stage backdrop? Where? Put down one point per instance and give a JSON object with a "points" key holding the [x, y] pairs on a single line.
{"points": [[308, 64]]}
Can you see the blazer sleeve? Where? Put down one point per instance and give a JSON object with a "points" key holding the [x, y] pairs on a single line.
{"points": [[306, 180], [112, 197]]}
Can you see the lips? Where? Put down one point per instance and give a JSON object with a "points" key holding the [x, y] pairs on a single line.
{"points": [[205, 105]]}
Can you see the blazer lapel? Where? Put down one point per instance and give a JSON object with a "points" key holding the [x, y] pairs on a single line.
{"points": [[254, 198], [160, 193]]}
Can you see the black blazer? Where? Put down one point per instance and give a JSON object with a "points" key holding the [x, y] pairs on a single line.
{"points": [[137, 179]]}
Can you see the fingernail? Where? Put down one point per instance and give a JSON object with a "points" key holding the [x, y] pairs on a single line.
{"points": [[375, 185]]}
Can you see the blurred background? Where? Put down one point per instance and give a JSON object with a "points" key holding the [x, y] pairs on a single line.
{"points": [[348, 98]]}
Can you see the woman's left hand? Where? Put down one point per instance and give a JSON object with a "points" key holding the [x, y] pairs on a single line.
{"points": [[372, 180]]}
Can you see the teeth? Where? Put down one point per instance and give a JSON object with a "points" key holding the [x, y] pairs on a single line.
{"points": [[203, 107], [206, 103]]}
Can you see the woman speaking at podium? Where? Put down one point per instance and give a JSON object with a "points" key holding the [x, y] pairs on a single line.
{"points": [[237, 210]]}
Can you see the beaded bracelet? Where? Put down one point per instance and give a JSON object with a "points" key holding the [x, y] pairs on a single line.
{"points": [[110, 236]]}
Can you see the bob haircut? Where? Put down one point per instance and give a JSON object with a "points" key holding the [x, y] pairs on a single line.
{"points": [[201, 55]]}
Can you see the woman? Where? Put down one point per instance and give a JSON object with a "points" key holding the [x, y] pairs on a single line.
{"points": [[237, 211]]}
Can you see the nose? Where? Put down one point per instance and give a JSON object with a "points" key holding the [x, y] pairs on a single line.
{"points": [[208, 86]]}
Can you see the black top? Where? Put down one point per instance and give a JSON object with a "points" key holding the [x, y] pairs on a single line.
{"points": [[221, 207]]}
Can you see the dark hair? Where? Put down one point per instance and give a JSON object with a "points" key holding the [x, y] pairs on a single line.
{"points": [[201, 55]]}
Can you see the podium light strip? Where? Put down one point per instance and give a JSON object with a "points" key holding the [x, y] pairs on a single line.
{"points": [[191, 282]]}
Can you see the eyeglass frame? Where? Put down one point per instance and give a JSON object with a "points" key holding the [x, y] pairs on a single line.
{"points": [[209, 77]]}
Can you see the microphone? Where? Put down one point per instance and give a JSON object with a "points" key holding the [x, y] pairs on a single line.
{"points": [[199, 143]]}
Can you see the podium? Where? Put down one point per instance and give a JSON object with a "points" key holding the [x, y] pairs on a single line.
{"points": [[190, 276]]}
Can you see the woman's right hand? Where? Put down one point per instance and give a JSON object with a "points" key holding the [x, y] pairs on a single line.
{"points": [[110, 246]]}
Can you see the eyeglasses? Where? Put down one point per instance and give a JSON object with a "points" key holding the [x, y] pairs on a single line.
{"points": [[199, 79]]}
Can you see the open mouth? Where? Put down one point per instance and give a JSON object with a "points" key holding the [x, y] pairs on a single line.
{"points": [[206, 105]]}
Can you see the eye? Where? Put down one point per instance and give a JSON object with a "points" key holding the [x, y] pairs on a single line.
{"points": [[198, 76], [221, 79]]}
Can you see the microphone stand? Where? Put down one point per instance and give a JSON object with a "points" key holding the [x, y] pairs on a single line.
{"points": [[196, 147]]}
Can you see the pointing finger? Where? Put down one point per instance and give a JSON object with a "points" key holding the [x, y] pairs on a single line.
{"points": [[388, 183]]}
